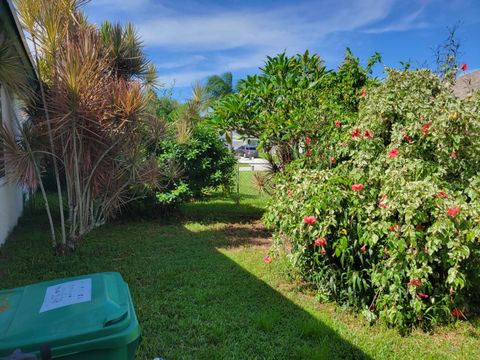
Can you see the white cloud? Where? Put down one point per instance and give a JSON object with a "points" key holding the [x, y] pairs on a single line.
{"points": [[183, 61], [407, 22], [203, 40], [289, 27], [184, 78]]}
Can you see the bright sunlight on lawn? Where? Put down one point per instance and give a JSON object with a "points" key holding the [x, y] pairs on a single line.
{"points": [[202, 290]]}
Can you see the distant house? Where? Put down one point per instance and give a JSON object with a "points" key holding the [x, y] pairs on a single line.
{"points": [[11, 195], [466, 84]]}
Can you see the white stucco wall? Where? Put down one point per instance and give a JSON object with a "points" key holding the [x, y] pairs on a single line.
{"points": [[11, 196]]}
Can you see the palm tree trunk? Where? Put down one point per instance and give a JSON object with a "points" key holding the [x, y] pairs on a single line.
{"points": [[52, 146]]}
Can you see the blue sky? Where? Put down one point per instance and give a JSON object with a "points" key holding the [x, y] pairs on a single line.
{"points": [[192, 39]]}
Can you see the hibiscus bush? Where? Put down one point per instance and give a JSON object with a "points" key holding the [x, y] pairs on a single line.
{"points": [[387, 219]]}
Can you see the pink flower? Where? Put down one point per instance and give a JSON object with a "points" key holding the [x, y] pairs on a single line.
{"points": [[267, 259], [320, 242], [309, 220], [425, 129], [423, 295], [363, 92], [338, 123], [368, 134], [415, 282], [333, 161], [442, 194], [363, 248], [393, 153], [356, 134], [453, 211], [357, 187], [407, 138], [289, 192], [453, 155], [464, 67], [323, 251], [308, 140]]}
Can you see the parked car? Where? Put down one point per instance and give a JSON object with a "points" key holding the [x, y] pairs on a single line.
{"points": [[246, 151]]}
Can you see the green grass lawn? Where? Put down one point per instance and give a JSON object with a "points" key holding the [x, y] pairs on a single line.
{"points": [[202, 291]]}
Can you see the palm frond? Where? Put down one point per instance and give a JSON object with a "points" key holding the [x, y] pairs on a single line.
{"points": [[12, 73]]}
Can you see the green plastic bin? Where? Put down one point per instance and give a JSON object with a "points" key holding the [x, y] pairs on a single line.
{"points": [[86, 317]]}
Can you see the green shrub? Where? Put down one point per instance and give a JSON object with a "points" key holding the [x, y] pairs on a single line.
{"points": [[393, 226], [293, 96], [202, 163]]}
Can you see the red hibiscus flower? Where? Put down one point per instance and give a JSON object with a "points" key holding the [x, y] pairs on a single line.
{"points": [[453, 211], [309, 220], [464, 67], [407, 138], [363, 92], [423, 295], [363, 248], [267, 259], [393, 228], [442, 194], [425, 129], [393, 153], [320, 242], [338, 123], [357, 187], [333, 161], [356, 134], [453, 155], [457, 313], [415, 282], [368, 134], [308, 140], [323, 251]]}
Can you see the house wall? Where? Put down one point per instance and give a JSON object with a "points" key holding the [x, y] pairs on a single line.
{"points": [[11, 195]]}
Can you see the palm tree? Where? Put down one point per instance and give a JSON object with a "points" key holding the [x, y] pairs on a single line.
{"points": [[218, 86], [93, 102], [126, 51]]}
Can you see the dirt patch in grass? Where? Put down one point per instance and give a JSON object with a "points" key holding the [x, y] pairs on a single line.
{"points": [[240, 235]]}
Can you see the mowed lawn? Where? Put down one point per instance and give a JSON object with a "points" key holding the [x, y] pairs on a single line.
{"points": [[202, 291]]}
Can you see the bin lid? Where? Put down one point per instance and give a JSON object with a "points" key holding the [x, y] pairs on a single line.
{"points": [[60, 313]]}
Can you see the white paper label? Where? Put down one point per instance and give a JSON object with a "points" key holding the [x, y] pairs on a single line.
{"points": [[68, 293]]}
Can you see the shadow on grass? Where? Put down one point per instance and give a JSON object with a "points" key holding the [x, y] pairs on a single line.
{"points": [[193, 302]]}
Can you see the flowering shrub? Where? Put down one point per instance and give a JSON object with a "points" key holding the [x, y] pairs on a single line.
{"points": [[397, 218]]}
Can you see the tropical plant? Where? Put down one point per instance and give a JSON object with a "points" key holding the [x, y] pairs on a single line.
{"points": [[391, 226], [90, 115], [218, 86], [193, 155], [292, 97]]}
